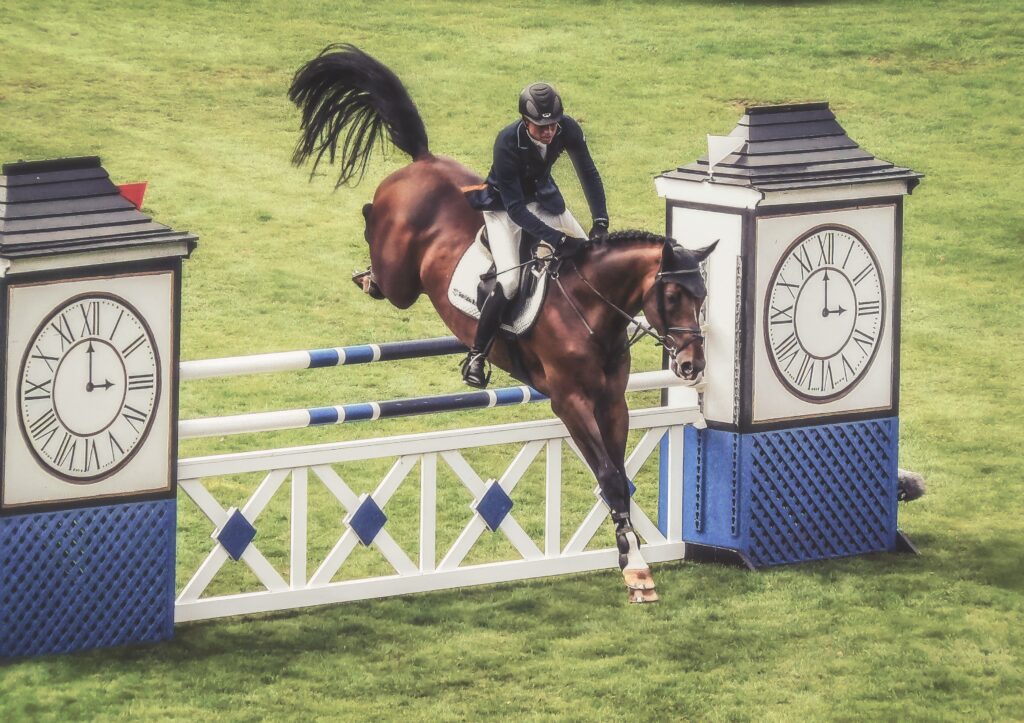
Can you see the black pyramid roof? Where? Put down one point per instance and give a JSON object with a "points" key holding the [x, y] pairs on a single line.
{"points": [[70, 204], [795, 146]]}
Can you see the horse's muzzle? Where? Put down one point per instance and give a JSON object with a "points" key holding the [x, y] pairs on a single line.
{"points": [[690, 370]]}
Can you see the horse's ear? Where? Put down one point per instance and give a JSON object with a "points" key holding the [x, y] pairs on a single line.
{"points": [[668, 254], [703, 253]]}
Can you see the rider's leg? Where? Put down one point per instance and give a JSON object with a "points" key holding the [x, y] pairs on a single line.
{"points": [[504, 236], [564, 222]]}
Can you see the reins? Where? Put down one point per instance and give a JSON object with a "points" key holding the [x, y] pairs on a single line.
{"points": [[552, 265]]}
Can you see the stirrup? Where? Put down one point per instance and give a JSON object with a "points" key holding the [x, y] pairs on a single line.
{"points": [[467, 364]]}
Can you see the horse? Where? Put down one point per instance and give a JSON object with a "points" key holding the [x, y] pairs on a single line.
{"points": [[420, 223]]}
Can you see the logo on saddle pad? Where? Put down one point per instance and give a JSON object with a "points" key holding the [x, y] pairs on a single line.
{"points": [[463, 290]]}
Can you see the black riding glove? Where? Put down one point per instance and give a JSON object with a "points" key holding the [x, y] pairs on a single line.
{"points": [[599, 230], [569, 246]]}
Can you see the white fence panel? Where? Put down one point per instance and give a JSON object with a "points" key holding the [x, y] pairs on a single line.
{"points": [[428, 573]]}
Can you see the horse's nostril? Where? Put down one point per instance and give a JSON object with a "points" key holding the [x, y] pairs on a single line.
{"points": [[686, 368]]}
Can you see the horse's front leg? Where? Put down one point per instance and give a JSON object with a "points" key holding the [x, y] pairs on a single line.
{"points": [[614, 423], [593, 421]]}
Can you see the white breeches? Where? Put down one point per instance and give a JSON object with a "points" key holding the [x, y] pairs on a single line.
{"points": [[504, 235]]}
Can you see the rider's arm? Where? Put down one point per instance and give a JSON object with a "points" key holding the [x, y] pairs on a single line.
{"points": [[586, 171], [509, 185]]}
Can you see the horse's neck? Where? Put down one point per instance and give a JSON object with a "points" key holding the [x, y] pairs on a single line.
{"points": [[624, 274]]}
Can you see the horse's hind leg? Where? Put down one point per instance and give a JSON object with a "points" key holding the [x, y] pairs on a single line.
{"points": [[365, 279]]}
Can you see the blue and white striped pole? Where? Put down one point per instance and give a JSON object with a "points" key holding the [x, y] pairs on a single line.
{"points": [[365, 411], [358, 412], [318, 358]]}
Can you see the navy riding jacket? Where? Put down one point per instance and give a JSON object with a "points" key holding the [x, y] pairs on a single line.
{"points": [[520, 176]]}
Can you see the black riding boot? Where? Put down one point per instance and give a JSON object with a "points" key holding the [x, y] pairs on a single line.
{"points": [[490, 318]]}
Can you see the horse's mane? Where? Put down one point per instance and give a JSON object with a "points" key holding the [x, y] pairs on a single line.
{"points": [[618, 238]]}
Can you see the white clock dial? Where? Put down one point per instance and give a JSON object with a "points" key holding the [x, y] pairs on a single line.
{"points": [[89, 387], [824, 313]]}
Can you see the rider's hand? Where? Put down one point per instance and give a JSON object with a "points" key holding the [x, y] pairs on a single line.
{"points": [[569, 246], [599, 230]]}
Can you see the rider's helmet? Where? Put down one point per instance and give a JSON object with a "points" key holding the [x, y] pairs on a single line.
{"points": [[540, 104]]}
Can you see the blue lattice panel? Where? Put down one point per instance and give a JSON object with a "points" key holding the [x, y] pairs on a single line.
{"points": [[793, 495], [87, 578]]}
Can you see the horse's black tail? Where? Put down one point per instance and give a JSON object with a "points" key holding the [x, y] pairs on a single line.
{"points": [[345, 94]]}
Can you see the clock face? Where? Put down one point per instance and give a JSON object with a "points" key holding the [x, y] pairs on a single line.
{"points": [[824, 313], [88, 388]]}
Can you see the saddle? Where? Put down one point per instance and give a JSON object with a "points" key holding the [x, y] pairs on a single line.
{"points": [[474, 279]]}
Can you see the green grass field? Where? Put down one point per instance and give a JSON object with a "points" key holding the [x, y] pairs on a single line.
{"points": [[192, 98]]}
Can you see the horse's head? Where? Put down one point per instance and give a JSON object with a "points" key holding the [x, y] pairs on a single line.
{"points": [[673, 305]]}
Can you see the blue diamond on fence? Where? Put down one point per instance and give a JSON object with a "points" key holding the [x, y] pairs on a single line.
{"points": [[493, 506], [367, 520], [235, 534]]}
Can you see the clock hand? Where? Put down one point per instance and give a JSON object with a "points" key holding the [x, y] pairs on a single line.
{"points": [[826, 312], [89, 385]]}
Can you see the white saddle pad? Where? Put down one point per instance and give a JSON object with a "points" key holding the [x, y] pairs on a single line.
{"points": [[462, 291]]}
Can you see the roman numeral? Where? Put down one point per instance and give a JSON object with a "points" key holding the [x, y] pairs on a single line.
{"points": [[826, 375], [782, 316], [38, 391], [805, 374], [848, 252], [61, 326], [133, 415], [787, 349], [90, 318], [869, 308], [826, 248], [66, 450], [785, 345], [44, 424], [789, 287], [135, 344], [44, 357], [92, 454], [804, 259], [864, 341], [141, 381], [116, 324], [114, 444], [862, 275], [847, 367]]}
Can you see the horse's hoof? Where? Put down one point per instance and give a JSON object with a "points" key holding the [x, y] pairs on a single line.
{"points": [[638, 579], [639, 597], [365, 281]]}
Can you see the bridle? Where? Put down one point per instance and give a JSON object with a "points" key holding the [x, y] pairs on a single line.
{"points": [[667, 341], [694, 334]]}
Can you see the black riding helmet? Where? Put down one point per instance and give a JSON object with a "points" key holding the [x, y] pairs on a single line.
{"points": [[540, 104]]}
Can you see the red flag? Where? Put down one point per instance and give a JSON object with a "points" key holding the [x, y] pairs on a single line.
{"points": [[134, 192]]}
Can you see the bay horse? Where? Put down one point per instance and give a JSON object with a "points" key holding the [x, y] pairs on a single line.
{"points": [[420, 224]]}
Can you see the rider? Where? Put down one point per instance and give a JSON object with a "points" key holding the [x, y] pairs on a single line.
{"points": [[520, 194]]}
